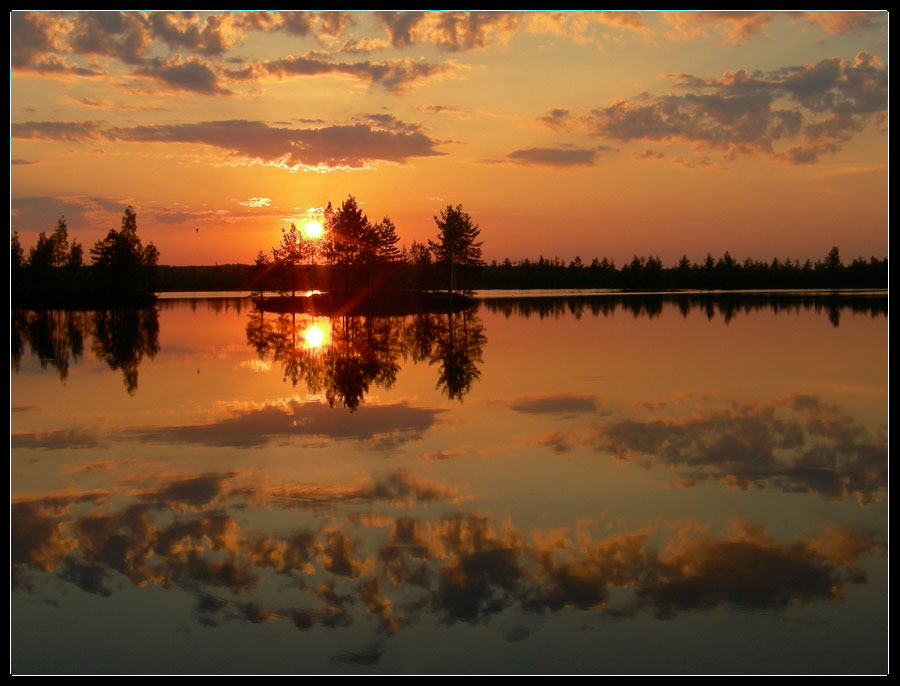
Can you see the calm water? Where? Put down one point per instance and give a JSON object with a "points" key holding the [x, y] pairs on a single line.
{"points": [[602, 484]]}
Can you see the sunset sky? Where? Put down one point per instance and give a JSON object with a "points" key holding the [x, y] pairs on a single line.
{"points": [[563, 134]]}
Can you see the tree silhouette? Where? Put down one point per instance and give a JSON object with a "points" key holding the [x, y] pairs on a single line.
{"points": [[294, 249], [121, 261], [457, 242]]}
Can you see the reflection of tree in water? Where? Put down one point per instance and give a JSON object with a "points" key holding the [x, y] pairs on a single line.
{"points": [[725, 305], [361, 351], [121, 338], [458, 350]]}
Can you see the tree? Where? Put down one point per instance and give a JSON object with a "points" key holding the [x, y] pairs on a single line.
{"points": [[456, 244], [386, 240], [294, 249], [121, 261]]}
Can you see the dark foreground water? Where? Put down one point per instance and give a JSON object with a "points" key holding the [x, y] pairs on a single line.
{"points": [[605, 484]]}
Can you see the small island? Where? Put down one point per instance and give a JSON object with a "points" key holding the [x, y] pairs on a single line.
{"points": [[348, 264]]}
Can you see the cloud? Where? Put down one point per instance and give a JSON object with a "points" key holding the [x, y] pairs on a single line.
{"points": [[396, 74], [192, 75], [213, 36], [555, 158], [56, 130], [255, 202], [748, 114], [363, 46], [256, 428], [123, 35], [735, 27], [353, 146], [443, 109], [34, 42], [40, 213], [841, 22], [350, 146], [648, 154], [19, 162], [556, 119], [450, 31]]}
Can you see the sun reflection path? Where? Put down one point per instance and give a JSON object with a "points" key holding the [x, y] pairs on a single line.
{"points": [[314, 335]]}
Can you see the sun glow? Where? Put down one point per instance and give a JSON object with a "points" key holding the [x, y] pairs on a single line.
{"points": [[312, 229]]}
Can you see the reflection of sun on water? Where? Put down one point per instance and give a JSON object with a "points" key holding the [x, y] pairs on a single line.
{"points": [[314, 336], [312, 229]]}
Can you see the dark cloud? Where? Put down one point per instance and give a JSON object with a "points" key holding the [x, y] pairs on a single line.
{"points": [[56, 130], [31, 35], [400, 26], [395, 74], [333, 146], [184, 30], [255, 428], [555, 158], [559, 404], [192, 75], [123, 35], [18, 162], [556, 119], [740, 112]]}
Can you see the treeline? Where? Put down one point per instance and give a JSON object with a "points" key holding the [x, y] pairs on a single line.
{"points": [[122, 269], [724, 273], [415, 269]]}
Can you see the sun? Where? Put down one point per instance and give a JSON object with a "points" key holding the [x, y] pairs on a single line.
{"points": [[312, 229]]}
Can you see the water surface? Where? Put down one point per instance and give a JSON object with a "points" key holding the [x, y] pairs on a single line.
{"points": [[547, 484]]}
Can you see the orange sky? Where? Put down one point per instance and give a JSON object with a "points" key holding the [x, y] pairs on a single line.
{"points": [[572, 133]]}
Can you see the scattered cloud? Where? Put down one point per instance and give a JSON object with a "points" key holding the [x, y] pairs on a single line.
{"points": [[748, 114]]}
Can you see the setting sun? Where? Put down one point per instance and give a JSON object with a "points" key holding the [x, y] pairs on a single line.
{"points": [[312, 229]]}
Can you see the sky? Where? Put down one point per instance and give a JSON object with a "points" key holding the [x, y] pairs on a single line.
{"points": [[564, 134]]}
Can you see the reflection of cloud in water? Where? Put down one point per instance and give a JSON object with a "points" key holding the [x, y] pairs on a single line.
{"points": [[457, 568], [254, 428], [797, 443], [385, 426], [559, 404]]}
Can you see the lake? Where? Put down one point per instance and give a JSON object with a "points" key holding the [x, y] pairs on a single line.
{"points": [[598, 483]]}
